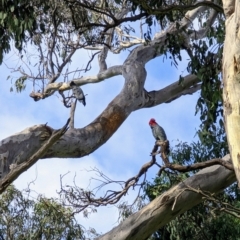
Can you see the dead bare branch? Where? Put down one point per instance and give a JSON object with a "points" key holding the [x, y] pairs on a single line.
{"points": [[72, 113], [196, 166]]}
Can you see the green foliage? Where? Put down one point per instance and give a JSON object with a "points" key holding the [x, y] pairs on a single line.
{"points": [[16, 20], [20, 83], [44, 218], [200, 223], [151, 7], [202, 150], [206, 63]]}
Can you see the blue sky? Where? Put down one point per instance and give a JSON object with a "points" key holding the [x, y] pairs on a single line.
{"points": [[123, 155]]}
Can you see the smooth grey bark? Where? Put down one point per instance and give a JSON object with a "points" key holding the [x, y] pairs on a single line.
{"points": [[172, 203], [21, 146], [231, 81]]}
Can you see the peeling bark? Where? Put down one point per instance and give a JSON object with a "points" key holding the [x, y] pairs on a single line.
{"points": [[17, 169], [231, 81], [171, 204], [21, 146]]}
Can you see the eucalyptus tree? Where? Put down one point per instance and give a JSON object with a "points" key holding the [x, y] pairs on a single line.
{"points": [[42, 218], [61, 29]]}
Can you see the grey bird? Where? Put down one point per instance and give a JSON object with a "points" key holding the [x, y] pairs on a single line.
{"points": [[158, 132], [78, 93]]}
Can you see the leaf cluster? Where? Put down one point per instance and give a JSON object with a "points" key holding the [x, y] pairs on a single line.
{"points": [[206, 63], [16, 20], [42, 218], [164, 11]]}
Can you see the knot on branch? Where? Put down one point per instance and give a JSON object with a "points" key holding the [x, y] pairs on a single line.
{"points": [[36, 96]]}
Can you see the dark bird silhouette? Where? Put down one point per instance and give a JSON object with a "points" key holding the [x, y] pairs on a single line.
{"points": [[78, 93]]}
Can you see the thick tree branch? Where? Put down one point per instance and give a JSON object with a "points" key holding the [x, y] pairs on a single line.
{"points": [[171, 204], [16, 170], [189, 85], [81, 142], [63, 86]]}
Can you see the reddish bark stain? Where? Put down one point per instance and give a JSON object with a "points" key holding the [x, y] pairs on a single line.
{"points": [[113, 122]]}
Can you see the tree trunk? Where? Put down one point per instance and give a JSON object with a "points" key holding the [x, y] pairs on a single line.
{"points": [[231, 81]]}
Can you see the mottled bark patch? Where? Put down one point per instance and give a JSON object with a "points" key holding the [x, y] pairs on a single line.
{"points": [[227, 107], [175, 212], [228, 7], [112, 123], [238, 158], [164, 199], [23, 145]]}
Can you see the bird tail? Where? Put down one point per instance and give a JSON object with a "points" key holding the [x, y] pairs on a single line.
{"points": [[167, 149], [83, 102]]}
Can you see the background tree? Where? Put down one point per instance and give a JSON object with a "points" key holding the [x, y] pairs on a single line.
{"points": [[22, 218], [63, 28]]}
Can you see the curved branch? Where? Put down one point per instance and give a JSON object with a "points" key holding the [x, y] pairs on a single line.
{"points": [[200, 165], [81, 142], [189, 85], [63, 86]]}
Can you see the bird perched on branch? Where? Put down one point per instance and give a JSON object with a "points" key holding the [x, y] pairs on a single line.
{"points": [[78, 93], [158, 132]]}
